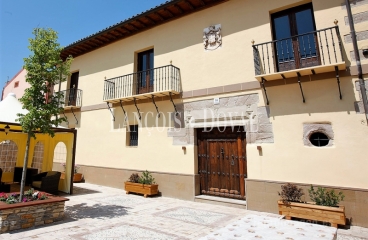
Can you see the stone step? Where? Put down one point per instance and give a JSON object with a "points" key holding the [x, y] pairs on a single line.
{"points": [[221, 201]]}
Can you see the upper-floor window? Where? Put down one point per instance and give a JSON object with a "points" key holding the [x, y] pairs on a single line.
{"points": [[73, 89], [145, 72], [296, 42], [16, 84]]}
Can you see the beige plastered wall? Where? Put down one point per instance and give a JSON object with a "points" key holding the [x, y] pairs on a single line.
{"points": [[102, 143]]}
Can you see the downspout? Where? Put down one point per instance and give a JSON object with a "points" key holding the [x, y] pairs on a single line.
{"points": [[357, 58]]}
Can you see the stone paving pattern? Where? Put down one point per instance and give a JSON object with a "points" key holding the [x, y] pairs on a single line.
{"points": [[98, 212]]}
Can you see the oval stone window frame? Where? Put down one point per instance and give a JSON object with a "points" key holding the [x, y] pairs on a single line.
{"points": [[311, 128], [319, 139]]}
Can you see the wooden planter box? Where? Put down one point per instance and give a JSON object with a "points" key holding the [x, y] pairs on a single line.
{"points": [[144, 189], [77, 177], [29, 214], [333, 215]]}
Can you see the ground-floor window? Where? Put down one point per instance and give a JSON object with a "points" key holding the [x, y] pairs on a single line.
{"points": [[133, 135]]}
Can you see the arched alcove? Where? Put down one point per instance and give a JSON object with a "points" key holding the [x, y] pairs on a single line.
{"points": [[59, 157], [38, 156], [8, 155]]}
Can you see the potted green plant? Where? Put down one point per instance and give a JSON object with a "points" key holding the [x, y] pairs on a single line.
{"points": [[144, 184], [77, 177], [324, 207]]}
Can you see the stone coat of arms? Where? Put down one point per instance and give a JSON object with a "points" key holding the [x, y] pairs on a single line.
{"points": [[212, 38]]}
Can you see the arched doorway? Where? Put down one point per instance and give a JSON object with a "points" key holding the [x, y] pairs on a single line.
{"points": [[59, 160]]}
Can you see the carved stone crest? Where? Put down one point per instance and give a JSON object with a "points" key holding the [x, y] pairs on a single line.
{"points": [[212, 38]]}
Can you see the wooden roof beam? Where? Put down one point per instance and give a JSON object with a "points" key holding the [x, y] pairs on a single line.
{"points": [[159, 16], [119, 31], [109, 34], [178, 8], [103, 39], [201, 2], [97, 41], [168, 11], [81, 48], [142, 23], [189, 4], [134, 27], [91, 44], [150, 20], [125, 29]]}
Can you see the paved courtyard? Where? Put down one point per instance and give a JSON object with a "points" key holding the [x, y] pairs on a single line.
{"points": [[98, 212]]}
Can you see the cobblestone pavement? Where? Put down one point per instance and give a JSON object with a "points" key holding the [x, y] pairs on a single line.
{"points": [[98, 212]]}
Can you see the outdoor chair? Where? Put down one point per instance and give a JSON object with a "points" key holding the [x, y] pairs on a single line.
{"points": [[47, 181], [3, 186]]}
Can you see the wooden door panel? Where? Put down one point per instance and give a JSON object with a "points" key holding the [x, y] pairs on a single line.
{"points": [[221, 155], [202, 161]]}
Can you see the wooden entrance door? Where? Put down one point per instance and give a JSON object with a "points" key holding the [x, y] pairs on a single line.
{"points": [[222, 162]]}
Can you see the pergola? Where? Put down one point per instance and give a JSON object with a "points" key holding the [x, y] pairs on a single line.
{"points": [[11, 130]]}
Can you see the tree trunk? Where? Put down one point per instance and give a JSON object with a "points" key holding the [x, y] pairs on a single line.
{"points": [[25, 163]]}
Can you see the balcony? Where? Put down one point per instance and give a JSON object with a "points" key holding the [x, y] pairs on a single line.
{"points": [[305, 54], [161, 81], [72, 98]]}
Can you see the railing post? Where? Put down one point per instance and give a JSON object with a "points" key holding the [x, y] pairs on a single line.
{"points": [[339, 38]]}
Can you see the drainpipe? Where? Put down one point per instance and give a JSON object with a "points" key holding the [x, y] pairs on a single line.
{"points": [[357, 58]]}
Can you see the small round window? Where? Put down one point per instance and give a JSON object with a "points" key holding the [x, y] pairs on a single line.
{"points": [[319, 139]]}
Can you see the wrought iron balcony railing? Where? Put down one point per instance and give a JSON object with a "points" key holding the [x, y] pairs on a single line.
{"points": [[317, 48], [156, 80], [71, 98]]}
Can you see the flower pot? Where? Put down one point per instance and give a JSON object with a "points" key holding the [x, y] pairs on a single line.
{"points": [[77, 177], [144, 189], [333, 215]]}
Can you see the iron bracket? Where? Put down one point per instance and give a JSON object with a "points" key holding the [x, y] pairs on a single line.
{"points": [[76, 119], [264, 89], [66, 117], [300, 85], [153, 100], [121, 105], [135, 103], [338, 80], [113, 117], [176, 112]]}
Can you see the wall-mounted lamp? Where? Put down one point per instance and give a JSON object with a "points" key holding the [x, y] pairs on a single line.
{"points": [[7, 129]]}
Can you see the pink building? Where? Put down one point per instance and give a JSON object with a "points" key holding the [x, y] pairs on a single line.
{"points": [[16, 85]]}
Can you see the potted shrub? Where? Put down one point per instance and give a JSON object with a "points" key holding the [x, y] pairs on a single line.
{"points": [[144, 184], [77, 177], [324, 207]]}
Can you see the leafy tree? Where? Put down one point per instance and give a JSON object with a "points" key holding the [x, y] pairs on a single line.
{"points": [[45, 68]]}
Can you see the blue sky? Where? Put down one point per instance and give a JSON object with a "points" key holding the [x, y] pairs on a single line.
{"points": [[72, 19]]}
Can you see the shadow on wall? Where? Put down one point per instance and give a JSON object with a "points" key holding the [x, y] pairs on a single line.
{"points": [[149, 115], [320, 97]]}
